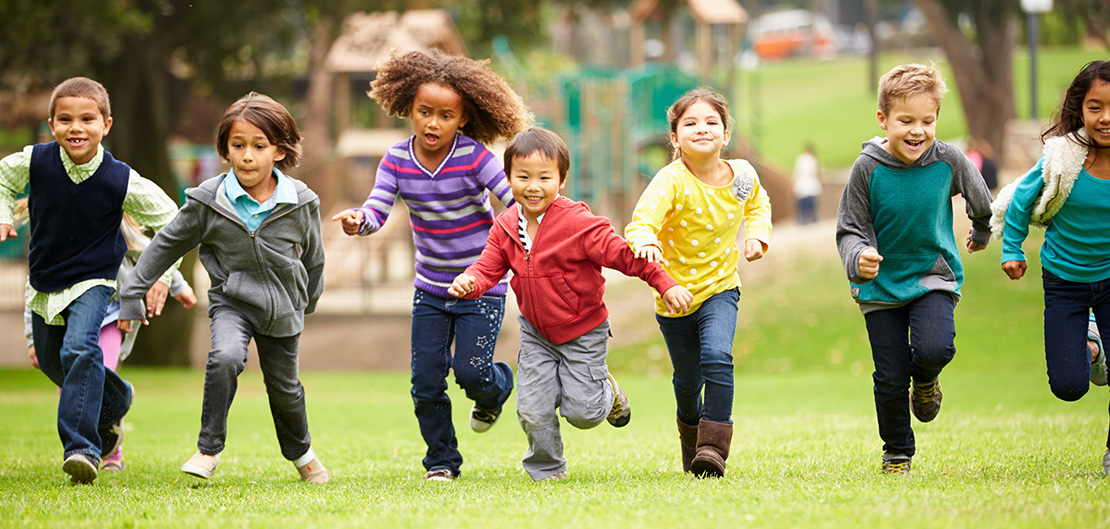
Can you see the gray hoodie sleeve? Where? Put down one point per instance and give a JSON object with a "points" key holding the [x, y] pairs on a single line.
{"points": [[967, 180], [312, 255], [169, 244], [854, 230]]}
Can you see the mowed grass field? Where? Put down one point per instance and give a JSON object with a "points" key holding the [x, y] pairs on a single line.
{"points": [[1002, 453], [785, 105]]}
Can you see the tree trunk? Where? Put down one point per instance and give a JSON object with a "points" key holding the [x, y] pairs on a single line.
{"points": [[140, 129], [983, 69], [315, 169]]}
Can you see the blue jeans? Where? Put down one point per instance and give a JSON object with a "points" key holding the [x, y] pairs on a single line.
{"points": [[914, 341], [71, 357], [700, 345], [473, 326], [1067, 308]]}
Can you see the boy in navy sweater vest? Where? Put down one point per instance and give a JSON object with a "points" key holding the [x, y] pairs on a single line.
{"points": [[78, 193]]}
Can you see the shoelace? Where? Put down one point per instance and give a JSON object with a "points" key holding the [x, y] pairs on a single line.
{"points": [[898, 468], [485, 416], [925, 393]]}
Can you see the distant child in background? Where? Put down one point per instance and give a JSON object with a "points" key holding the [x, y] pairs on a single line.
{"points": [[445, 175], [807, 185], [259, 237], [113, 342], [982, 156], [688, 219], [78, 195], [1069, 186], [556, 249], [897, 209]]}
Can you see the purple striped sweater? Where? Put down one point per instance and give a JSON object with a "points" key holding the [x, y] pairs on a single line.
{"points": [[449, 208]]}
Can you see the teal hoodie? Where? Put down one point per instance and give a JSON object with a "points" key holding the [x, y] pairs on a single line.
{"points": [[905, 212]]}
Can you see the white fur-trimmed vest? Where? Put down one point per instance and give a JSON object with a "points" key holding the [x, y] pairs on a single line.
{"points": [[1063, 159]]}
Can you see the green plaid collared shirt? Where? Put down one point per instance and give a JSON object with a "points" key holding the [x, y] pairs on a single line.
{"points": [[145, 201]]}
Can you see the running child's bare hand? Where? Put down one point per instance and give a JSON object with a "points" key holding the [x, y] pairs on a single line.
{"points": [[34, 359], [187, 298], [125, 325], [869, 261], [971, 246], [650, 252], [7, 231], [351, 220], [677, 299], [753, 249], [156, 299], [462, 286], [1014, 269]]}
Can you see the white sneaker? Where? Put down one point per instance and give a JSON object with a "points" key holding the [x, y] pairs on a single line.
{"points": [[201, 465]]}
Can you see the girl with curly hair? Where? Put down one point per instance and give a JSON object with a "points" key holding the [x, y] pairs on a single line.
{"points": [[445, 174]]}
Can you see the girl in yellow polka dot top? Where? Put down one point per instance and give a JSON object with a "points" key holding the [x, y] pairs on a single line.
{"points": [[688, 219]]}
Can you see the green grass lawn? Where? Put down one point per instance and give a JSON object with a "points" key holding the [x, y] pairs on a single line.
{"points": [[1003, 452], [830, 104]]}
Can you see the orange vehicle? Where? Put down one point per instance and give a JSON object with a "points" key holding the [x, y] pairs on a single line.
{"points": [[792, 32]]}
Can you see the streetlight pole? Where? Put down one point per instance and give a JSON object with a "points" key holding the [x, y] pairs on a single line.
{"points": [[1033, 10]]}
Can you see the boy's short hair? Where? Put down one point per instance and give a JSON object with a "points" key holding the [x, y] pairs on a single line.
{"points": [[269, 116], [538, 140], [909, 80], [82, 87]]}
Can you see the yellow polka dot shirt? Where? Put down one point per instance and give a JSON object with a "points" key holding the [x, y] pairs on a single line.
{"points": [[696, 226]]}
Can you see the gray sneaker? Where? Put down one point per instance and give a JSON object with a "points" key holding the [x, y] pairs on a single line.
{"points": [[622, 411], [896, 463], [1106, 462], [925, 400]]}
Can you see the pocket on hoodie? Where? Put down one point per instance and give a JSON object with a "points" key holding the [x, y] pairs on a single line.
{"points": [[245, 287], [563, 301], [293, 282]]}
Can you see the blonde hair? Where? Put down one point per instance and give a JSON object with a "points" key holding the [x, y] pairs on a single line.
{"points": [[907, 80]]}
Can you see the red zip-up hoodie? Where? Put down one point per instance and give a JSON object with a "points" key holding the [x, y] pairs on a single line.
{"points": [[559, 286]]}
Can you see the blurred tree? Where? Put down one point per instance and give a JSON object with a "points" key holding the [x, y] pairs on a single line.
{"points": [[982, 64], [1093, 14]]}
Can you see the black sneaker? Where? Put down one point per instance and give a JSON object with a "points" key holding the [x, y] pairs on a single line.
{"points": [[481, 419], [925, 400], [896, 464], [81, 468], [111, 437]]}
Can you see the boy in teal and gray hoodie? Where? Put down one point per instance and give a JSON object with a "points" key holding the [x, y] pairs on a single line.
{"points": [[897, 210]]}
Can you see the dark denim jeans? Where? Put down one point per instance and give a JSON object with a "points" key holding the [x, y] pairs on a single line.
{"points": [[700, 345], [71, 357], [473, 326], [231, 334], [1067, 309], [914, 341]]}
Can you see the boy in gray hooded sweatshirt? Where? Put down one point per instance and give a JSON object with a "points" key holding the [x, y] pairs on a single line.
{"points": [[897, 210], [259, 237]]}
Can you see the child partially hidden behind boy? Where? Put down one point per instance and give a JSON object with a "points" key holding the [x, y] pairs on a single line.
{"points": [[556, 249]]}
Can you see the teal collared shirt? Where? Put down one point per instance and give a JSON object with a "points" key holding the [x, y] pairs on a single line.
{"points": [[250, 211]]}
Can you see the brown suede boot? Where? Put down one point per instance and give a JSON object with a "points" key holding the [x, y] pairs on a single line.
{"points": [[714, 440], [688, 438]]}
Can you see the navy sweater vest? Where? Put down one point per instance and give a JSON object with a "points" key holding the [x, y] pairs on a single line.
{"points": [[75, 228]]}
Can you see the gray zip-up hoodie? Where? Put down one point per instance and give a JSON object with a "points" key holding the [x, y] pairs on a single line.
{"points": [[273, 277]]}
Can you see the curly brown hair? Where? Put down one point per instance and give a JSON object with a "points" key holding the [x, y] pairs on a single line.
{"points": [[491, 107]]}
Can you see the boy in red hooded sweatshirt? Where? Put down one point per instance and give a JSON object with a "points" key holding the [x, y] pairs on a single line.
{"points": [[556, 248]]}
